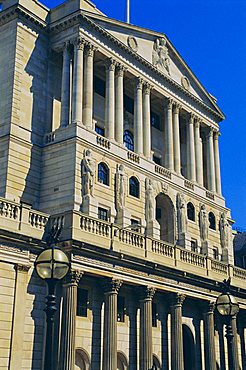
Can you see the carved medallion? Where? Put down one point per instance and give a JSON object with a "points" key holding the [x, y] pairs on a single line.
{"points": [[132, 43], [185, 82]]}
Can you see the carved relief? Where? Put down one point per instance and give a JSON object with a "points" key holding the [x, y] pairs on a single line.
{"points": [[203, 218], [120, 188], [88, 173], [185, 82], [182, 215], [149, 200], [224, 231], [132, 43], [160, 57]]}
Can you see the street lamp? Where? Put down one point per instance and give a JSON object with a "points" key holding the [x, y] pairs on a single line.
{"points": [[52, 265], [228, 306]]}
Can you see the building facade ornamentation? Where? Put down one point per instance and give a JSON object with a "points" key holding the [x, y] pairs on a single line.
{"points": [[160, 57], [88, 173]]}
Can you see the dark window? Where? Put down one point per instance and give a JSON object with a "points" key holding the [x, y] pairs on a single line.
{"points": [[103, 173], [129, 104], [99, 86], [211, 219], [154, 315], [102, 214], [99, 130], [157, 160], [134, 221], [155, 120], [215, 253], [128, 140], [158, 213], [82, 302], [193, 245], [134, 187], [121, 309], [190, 211]]}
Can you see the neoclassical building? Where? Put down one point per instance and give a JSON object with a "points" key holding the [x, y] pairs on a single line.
{"points": [[107, 134]]}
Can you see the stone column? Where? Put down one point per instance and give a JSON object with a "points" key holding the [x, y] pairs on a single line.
{"points": [[210, 161], [111, 288], [69, 308], [146, 351], [169, 135], [146, 121], [209, 343], [191, 161], [119, 104], [65, 88], [217, 162], [176, 139], [198, 150], [110, 99], [235, 342], [88, 86], [138, 117], [77, 98], [177, 359]]}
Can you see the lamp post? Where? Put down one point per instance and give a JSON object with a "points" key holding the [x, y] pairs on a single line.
{"points": [[227, 306], [51, 265]]}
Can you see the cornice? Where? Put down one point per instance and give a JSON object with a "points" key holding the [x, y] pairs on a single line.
{"points": [[18, 11]]}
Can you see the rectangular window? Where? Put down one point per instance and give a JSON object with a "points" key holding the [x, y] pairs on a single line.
{"points": [[135, 221], [99, 130], [154, 315], [158, 213], [215, 253], [193, 245], [157, 160], [155, 121], [121, 309], [102, 214], [82, 302], [129, 104], [99, 86]]}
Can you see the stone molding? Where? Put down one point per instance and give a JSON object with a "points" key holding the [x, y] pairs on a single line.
{"points": [[22, 268], [146, 293], [73, 278], [79, 43], [112, 286], [177, 299], [110, 64]]}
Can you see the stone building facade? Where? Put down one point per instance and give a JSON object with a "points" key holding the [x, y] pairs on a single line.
{"points": [[106, 133]]}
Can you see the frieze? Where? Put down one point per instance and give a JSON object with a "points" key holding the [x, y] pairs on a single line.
{"points": [[13, 250]]}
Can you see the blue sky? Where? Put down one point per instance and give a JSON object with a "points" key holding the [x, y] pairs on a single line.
{"points": [[210, 36]]}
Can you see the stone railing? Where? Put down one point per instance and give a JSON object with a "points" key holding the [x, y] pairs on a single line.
{"points": [[188, 184], [95, 226], [220, 267], [131, 238], [192, 258], [210, 195], [163, 171], [38, 219], [103, 142], [133, 157], [162, 248], [9, 209]]}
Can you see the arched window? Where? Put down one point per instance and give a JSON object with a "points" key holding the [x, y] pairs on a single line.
{"points": [[128, 140], [211, 219], [103, 174], [134, 187], [190, 211]]}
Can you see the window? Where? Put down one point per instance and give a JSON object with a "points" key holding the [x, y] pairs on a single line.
{"points": [[121, 309], [193, 246], [129, 104], [102, 214], [99, 130], [103, 173], [128, 140], [155, 120], [134, 221], [134, 187], [99, 86], [82, 302], [211, 219], [157, 160], [215, 253], [158, 213], [154, 315], [190, 211]]}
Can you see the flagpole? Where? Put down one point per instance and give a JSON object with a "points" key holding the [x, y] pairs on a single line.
{"points": [[127, 11]]}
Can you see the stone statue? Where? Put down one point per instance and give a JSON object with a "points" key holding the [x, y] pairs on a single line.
{"points": [[224, 231], [182, 214], [203, 223], [120, 188], [149, 201], [88, 173], [160, 58]]}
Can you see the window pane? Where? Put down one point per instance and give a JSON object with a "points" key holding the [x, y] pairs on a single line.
{"points": [[99, 130], [134, 187], [99, 86], [129, 104], [103, 174], [128, 140], [155, 120], [103, 214], [157, 160], [211, 218]]}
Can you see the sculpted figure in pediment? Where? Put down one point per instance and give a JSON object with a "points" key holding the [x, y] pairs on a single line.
{"points": [[160, 57], [88, 173], [120, 188]]}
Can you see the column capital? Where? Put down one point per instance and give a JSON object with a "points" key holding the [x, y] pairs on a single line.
{"points": [[110, 64], [170, 103], [177, 299], [210, 132], [147, 87], [146, 293], [66, 45], [73, 278], [192, 118], [198, 123], [22, 268], [120, 70], [177, 108], [79, 43], [139, 83], [112, 285], [90, 49], [216, 134], [209, 307]]}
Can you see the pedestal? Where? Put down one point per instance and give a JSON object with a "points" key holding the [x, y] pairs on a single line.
{"points": [[153, 229], [123, 218], [185, 240], [90, 206]]}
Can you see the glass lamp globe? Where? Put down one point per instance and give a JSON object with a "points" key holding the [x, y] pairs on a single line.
{"points": [[227, 305], [52, 263]]}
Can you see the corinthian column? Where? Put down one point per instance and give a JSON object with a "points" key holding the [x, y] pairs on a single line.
{"points": [[177, 332], [65, 88], [217, 162], [146, 351], [78, 81], [235, 342], [169, 135], [88, 86], [191, 165], [209, 344], [198, 150], [110, 99], [119, 105], [176, 139], [146, 121], [67, 356], [138, 117], [111, 288], [210, 161]]}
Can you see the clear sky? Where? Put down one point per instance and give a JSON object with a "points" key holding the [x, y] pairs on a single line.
{"points": [[210, 35]]}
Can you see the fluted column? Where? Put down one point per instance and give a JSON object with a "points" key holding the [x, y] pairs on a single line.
{"points": [[65, 88], [235, 342], [77, 98], [177, 359], [110, 99], [146, 121], [111, 288], [198, 150], [67, 356], [119, 104], [209, 343], [176, 139], [146, 351], [88, 86], [217, 162], [138, 117], [210, 161], [169, 135], [191, 162]]}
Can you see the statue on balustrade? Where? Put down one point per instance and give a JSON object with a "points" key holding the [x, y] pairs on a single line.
{"points": [[88, 173], [203, 218], [149, 201], [224, 231], [181, 214], [120, 188]]}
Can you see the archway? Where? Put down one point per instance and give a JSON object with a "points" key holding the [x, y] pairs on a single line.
{"points": [[165, 217], [156, 362], [122, 363], [188, 348], [82, 361]]}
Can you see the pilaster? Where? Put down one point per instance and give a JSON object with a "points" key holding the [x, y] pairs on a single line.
{"points": [[88, 86], [177, 358], [138, 117], [65, 88], [110, 99], [77, 98]]}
